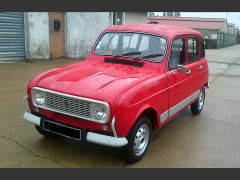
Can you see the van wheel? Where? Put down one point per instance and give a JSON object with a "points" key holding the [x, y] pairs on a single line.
{"points": [[138, 140], [43, 132], [197, 106]]}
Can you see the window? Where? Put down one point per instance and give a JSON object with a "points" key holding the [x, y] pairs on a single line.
{"points": [[202, 49], [117, 18], [214, 36], [108, 44], [144, 43], [192, 49], [177, 53], [134, 41], [126, 42], [130, 44]]}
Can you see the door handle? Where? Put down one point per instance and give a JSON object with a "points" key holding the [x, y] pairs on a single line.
{"points": [[188, 72], [200, 67], [172, 71]]}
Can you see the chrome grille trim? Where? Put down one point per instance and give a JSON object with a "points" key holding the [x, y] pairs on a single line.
{"points": [[71, 105], [67, 104]]}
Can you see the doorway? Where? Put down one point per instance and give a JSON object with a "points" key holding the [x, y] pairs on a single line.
{"points": [[57, 40]]}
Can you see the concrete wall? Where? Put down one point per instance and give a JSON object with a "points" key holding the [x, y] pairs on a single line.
{"points": [[206, 33], [135, 17], [37, 35], [81, 31], [224, 28]]}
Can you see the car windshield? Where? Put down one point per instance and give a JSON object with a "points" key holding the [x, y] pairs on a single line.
{"points": [[130, 44]]}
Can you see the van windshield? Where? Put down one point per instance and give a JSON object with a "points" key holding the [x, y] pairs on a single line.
{"points": [[130, 44]]}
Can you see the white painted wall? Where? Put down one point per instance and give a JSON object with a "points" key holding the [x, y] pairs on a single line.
{"points": [[81, 31], [37, 35], [224, 28], [135, 17]]}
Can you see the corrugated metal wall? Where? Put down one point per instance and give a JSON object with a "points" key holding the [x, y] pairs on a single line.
{"points": [[12, 41]]}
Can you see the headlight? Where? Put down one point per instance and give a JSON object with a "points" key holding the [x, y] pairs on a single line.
{"points": [[39, 98], [100, 112]]}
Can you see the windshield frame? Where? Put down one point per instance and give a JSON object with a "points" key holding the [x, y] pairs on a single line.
{"points": [[162, 36]]}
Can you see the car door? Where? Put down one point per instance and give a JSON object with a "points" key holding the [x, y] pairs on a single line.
{"points": [[193, 59], [180, 83], [201, 67]]}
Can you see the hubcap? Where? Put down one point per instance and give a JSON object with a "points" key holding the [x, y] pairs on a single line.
{"points": [[141, 140], [200, 100]]}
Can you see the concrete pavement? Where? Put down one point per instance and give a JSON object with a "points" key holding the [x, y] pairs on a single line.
{"points": [[210, 139]]}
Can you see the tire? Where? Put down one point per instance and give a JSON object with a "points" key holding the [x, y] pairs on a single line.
{"points": [[197, 106], [138, 140], [43, 132]]}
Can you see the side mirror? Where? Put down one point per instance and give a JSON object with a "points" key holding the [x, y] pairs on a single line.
{"points": [[183, 69]]}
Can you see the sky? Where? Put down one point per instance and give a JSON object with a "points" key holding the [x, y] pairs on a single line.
{"points": [[232, 17]]}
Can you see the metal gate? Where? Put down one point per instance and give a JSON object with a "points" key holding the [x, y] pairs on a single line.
{"points": [[12, 40]]}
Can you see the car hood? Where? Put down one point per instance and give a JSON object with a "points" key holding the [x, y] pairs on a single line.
{"points": [[92, 79]]}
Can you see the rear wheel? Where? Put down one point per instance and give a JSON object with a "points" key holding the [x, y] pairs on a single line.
{"points": [[138, 140], [197, 106]]}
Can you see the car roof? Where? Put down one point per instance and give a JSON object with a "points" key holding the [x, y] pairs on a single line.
{"points": [[158, 29]]}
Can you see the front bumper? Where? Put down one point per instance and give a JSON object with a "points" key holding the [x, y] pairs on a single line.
{"points": [[90, 136]]}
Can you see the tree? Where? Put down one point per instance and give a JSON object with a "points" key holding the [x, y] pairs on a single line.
{"points": [[177, 14], [172, 14], [151, 14]]}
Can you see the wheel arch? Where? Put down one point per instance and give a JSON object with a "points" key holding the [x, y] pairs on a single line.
{"points": [[206, 85], [149, 112]]}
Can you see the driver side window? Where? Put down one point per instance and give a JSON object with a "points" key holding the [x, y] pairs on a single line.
{"points": [[177, 53]]}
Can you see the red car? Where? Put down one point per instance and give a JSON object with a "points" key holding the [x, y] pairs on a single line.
{"points": [[135, 79]]}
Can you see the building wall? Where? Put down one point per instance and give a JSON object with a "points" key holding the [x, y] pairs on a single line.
{"points": [[224, 28], [37, 35], [81, 31], [206, 33], [237, 34], [135, 17], [213, 38]]}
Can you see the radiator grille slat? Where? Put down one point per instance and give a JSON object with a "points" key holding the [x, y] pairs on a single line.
{"points": [[68, 105]]}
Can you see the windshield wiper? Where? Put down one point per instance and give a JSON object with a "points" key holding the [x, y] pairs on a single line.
{"points": [[152, 56], [132, 53]]}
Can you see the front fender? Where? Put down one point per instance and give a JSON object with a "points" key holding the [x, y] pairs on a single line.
{"points": [[151, 93]]}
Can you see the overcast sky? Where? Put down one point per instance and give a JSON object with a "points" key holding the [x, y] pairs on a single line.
{"points": [[232, 17]]}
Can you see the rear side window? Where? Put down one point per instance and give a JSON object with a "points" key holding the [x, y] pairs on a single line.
{"points": [[177, 53], [202, 48], [192, 49]]}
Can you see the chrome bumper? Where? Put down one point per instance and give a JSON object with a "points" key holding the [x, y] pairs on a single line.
{"points": [[90, 137]]}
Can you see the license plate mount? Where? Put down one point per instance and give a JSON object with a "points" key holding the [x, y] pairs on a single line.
{"points": [[62, 130]]}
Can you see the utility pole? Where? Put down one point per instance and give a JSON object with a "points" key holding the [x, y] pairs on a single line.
{"points": [[226, 15]]}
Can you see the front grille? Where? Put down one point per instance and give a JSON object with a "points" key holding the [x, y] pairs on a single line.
{"points": [[68, 105]]}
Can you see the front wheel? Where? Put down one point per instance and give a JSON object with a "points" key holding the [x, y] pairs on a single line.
{"points": [[197, 106], [138, 140]]}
